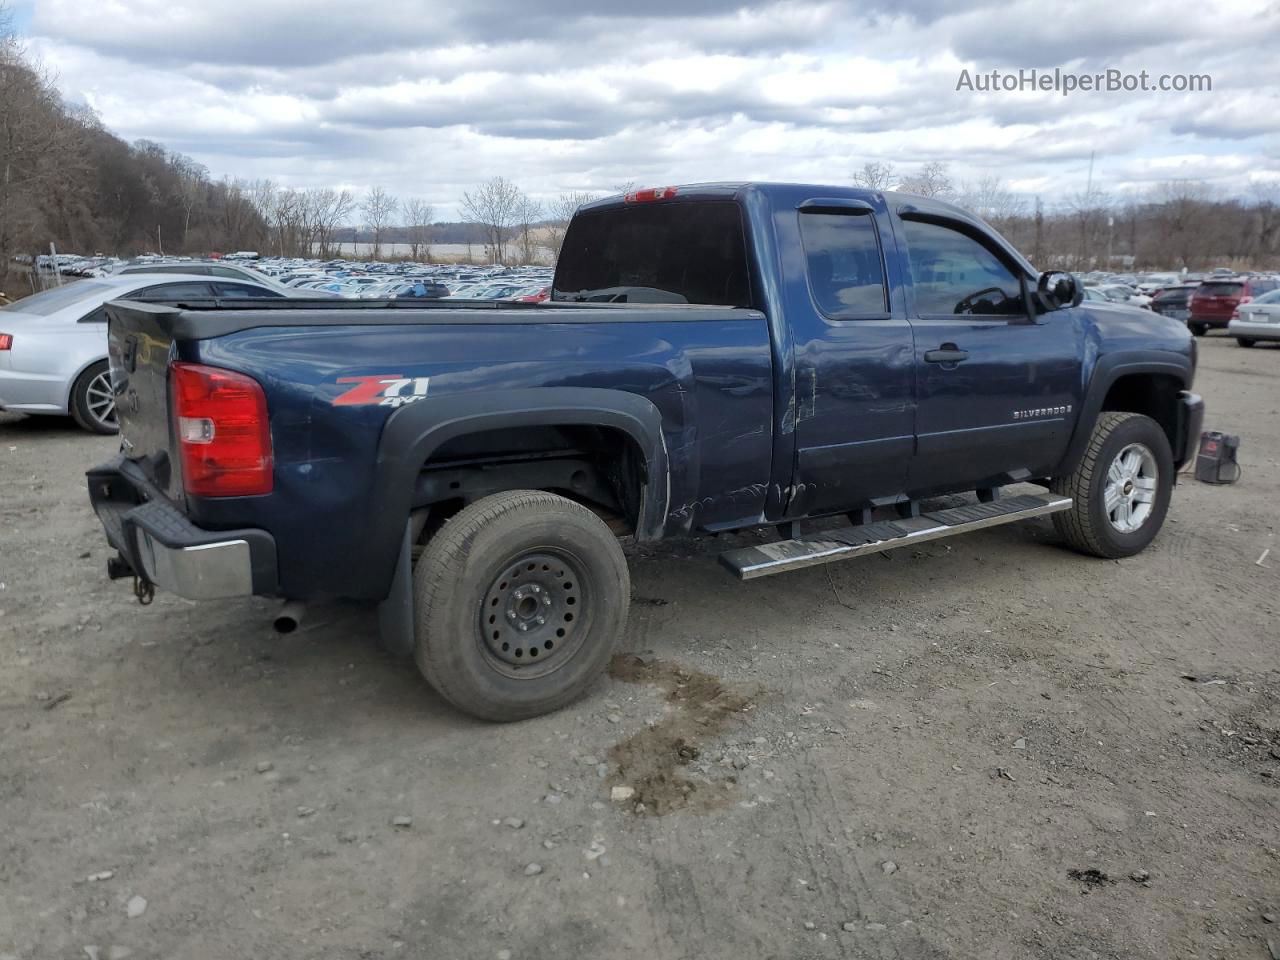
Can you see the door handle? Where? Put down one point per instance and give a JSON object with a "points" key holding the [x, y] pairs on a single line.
{"points": [[947, 353]]}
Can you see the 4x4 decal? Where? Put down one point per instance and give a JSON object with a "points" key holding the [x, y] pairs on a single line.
{"points": [[384, 389]]}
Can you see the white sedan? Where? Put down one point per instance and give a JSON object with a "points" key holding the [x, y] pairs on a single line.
{"points": [[53, 345], [1256, 320]]}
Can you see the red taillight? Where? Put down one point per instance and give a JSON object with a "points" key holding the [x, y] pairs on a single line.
{"points": [[223, 432], [6, 341], [650, 194], [1244, 299]]}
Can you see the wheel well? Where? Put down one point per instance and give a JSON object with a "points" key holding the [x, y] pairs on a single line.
{"points": [[74, 380], [601, 467], [1152, 394]]}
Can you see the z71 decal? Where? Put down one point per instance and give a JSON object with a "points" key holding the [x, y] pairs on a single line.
{"points": [[384, 389]]}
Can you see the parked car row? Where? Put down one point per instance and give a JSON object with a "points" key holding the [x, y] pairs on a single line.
{"points": [[1247, 306], [311, 277], [379, 280]]}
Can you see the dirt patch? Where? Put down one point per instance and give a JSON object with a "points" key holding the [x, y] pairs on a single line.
{"points": [[1091, 878], [654, 761]]}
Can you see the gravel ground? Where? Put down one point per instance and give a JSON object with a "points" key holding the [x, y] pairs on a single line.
{"points": [[984, 747]]}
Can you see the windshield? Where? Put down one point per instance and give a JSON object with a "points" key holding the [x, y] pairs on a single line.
{"points": [[656, 253], [1272, 297], [51, 301]]}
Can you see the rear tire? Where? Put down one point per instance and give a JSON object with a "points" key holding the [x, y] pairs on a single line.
{"points": [[93, 405], [521, 600], [1121, 487], [1198, 329], [1245, 341]]}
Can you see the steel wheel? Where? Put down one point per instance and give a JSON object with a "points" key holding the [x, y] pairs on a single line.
{"points": [[520, 600], [533, 614], [1130, 488], [100, 401]]}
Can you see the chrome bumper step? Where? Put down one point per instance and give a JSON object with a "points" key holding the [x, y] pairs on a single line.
{"points": [[855, 541]]}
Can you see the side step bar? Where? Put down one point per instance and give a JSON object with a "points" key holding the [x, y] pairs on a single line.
{"points": [[843, 542]]}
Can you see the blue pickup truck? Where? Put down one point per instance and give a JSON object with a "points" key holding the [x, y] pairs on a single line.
{"points": [[714, 358]]}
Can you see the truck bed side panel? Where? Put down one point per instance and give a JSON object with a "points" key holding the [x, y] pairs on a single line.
{"points": [[709, 378]]}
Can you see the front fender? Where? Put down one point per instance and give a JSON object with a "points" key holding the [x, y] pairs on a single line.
{"points": [[1106, 371]]}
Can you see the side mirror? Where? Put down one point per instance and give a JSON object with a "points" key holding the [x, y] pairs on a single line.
{"points": [[1058, 289]]}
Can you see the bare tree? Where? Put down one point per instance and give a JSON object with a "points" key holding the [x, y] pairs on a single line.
{"points": [[379, 209], [875, 175], [493, 205], [1183, 239], [418, 215], [559, 212], [931, 180], [193, 179], [528, 213], [333, 208], [1088, 210], [992, 200]]}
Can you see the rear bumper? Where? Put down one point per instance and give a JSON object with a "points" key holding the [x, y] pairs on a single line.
{"points": [[160, 545], [1213, 320], [1190, 423], [32, 392], [1254, 331]]}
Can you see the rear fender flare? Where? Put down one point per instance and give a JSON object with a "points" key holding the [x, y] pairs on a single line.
{"points": [[414, 432]]}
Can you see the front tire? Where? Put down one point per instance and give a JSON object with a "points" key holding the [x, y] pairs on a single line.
{"points": [[1245, 341], [1121, 487], [1198, 329], [93, 404], [520, 601]]}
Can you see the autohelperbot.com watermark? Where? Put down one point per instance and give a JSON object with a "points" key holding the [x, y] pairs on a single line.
{"points": [[1066, 82]]}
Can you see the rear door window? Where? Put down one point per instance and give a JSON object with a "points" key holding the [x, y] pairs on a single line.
{"points": [[846, 270], [674, 252]]}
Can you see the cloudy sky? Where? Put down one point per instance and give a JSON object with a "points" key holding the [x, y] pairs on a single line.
{"points": [[426, 99]]}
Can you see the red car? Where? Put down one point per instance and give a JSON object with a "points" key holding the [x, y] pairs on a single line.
{"points": [[540, 296], [1215, 300]]}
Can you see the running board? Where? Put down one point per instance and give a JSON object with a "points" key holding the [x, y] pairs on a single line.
{"points": [[854, 541]]}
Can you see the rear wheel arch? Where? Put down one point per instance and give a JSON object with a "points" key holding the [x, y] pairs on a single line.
{"points": [[81, 368], [602, 467], [416, 435]]}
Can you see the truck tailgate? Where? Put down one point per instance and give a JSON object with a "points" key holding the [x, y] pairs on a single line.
{"points": [[140, 346]]}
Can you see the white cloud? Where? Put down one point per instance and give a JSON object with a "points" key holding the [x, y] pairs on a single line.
{"points": [[427, 102]]}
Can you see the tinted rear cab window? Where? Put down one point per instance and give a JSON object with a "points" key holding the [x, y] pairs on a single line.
{"points": [[674, 252]]}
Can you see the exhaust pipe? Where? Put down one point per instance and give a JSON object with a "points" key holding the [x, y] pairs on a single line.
{"points": [[290, 616]]}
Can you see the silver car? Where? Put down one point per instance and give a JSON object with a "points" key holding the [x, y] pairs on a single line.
{"points": [[53, 345], [1259, 319]]}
